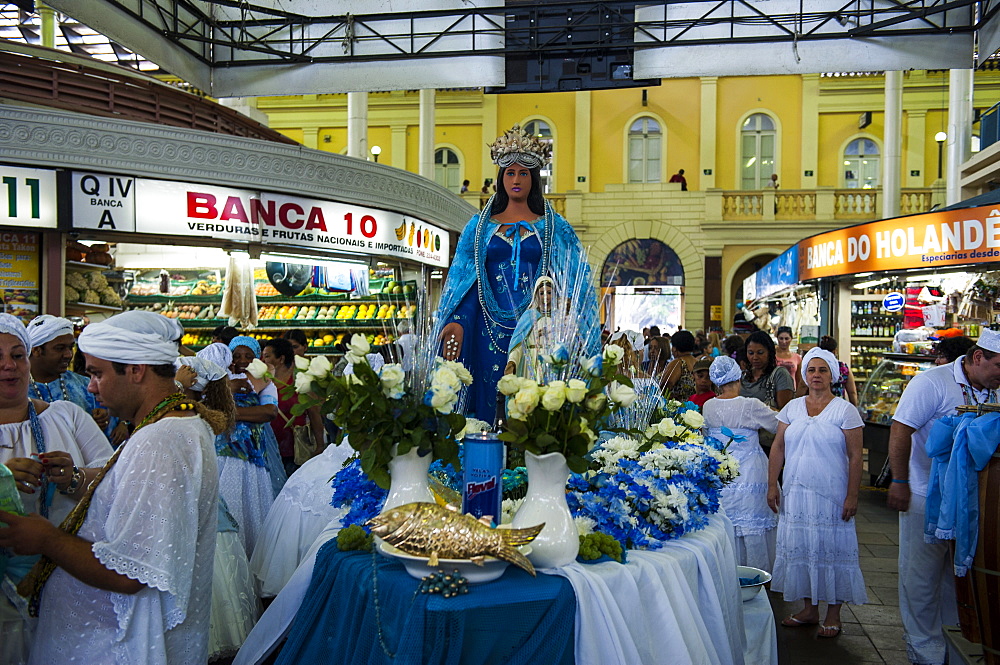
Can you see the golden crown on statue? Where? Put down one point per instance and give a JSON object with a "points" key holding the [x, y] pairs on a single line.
{"points": [[517, 146]]}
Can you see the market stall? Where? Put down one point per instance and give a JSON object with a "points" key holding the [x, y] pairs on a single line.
{"points": [[260, 261], [774, 297]]}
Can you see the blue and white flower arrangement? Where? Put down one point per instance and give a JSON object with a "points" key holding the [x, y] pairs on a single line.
{"points": [[646, 490]]}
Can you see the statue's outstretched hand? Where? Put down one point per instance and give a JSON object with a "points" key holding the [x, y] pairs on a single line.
{"points": [[451, 341]]}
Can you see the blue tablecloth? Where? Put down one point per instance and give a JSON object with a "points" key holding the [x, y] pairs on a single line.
{"points": [[515, 619]]}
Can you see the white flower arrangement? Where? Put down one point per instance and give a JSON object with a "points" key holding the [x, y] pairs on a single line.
{"points": [[380, 410]]}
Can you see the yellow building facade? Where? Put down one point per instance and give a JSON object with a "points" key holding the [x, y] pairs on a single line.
{"points": [[615, 150]]}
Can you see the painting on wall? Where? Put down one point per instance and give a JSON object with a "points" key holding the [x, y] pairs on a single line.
{"points": [[642, 262]]}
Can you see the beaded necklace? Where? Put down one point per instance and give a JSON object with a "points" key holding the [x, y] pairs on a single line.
{"points": [[32, 584], [34, 391], [39, 436], [496, 315]]}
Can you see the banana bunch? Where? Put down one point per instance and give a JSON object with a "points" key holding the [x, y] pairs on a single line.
{"points": [[204, 288], [401, 231]]}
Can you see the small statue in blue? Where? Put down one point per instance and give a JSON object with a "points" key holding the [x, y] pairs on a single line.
{"points": [[501, 254]]}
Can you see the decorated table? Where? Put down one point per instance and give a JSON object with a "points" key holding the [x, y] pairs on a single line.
{"points": [[680, 604]]}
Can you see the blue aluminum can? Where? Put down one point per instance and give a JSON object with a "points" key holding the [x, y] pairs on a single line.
{"points": [[482, 475]]}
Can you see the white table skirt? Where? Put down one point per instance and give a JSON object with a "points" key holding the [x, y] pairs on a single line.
{"points": [[762, 636], [678, 605]]}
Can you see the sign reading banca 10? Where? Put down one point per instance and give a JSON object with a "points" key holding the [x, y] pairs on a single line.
{"points": [[161, 207]]}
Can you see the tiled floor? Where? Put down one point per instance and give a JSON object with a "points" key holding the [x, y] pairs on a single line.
{"points": [[873, 633]]}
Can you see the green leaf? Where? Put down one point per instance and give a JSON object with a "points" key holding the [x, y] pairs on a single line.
{"points": [[577, 464]]}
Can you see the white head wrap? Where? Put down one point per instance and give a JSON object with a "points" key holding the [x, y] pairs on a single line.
{"points": [[374, 359], [822, 354], [218, 353], [724, 370], [133, 338], [12, 325], [989, 340], [206, 370], [45, 328]]}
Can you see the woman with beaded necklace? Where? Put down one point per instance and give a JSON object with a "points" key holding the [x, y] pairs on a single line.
{"points": [[53, 451], [502, 252]]}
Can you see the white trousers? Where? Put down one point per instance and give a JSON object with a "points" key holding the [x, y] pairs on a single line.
{"points": [[926, 587]]}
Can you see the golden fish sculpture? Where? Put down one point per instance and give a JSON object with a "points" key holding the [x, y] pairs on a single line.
{"points": [[438, 532]]}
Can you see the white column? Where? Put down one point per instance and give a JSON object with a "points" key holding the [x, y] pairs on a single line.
{"points": [[357, 125], [810, 131], [426, 143], [582, 141], [959, 130], [893, 144], [707, 137]]}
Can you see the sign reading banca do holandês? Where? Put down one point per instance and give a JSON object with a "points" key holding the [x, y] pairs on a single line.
{"points": [[161, 207]]}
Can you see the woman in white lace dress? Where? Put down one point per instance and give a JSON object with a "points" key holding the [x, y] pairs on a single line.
{"points": [[745, 499], [819, 445]]}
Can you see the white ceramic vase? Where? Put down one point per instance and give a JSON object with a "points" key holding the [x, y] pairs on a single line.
{"points": [[408, 479], [559, 542]]}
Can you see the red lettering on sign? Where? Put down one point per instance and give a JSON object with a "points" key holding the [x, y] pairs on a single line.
{"points": [[288, 222], [234, 210], [201, 205], [368, 226], [262, 211], [316, 220]]}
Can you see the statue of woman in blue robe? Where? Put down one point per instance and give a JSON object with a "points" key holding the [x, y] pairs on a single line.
{"points": [[501, 254]]}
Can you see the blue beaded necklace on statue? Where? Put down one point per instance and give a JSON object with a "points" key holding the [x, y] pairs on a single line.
{"points": [[494, 313]]}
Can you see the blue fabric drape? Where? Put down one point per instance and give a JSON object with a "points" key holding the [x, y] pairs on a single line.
{"points": [[515, 619], [959, 447]]}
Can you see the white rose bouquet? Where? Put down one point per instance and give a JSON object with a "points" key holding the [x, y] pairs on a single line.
{"points": [[380, 410], [561, 415]]}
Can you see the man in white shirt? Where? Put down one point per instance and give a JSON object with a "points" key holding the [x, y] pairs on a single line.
{"points": [[926, 575], [128, 577]]}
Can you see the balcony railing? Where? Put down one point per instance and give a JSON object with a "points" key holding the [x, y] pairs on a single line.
{"points": [[829, 204]]}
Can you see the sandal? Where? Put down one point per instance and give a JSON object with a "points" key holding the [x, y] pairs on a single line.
{"points": [[791, 622], [822, 628]]}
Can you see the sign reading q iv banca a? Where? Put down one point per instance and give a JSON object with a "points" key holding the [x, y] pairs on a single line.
{"points": [[931, 240], [138, 205]]}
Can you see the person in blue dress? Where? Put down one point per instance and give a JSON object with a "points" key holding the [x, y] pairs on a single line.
{"points": [[501, 254], [52, 345]]}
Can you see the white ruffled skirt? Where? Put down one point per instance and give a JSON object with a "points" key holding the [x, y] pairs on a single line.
{"points": [[817, 552], [745, 503], [235, 607], [296, 518], [248, 494]]}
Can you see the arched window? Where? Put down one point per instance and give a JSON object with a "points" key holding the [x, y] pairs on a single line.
{"points": [[861, 164], [757, 148], [447, 169], [645, 143], [541, 130]]}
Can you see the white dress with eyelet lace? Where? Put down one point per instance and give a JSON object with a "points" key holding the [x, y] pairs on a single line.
{"points": [[817, 551], [152, 519], [745, 499]]}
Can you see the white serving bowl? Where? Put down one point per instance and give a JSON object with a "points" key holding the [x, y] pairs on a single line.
{"points": [[748, 572], [419, 568]]}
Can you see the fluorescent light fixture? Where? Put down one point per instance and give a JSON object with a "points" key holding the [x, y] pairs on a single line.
{"points": [[864, 274], [865, 285], [310, 261]]}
